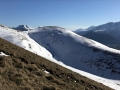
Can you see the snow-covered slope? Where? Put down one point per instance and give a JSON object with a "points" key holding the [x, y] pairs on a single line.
{"points": [[79, 52], [23, 28], [23, 40]]}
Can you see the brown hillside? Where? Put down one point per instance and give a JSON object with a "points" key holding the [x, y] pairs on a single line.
{"points": [[23, 70]]}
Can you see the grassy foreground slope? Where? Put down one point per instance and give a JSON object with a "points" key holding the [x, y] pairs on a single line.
{"points": [[23, 70]]}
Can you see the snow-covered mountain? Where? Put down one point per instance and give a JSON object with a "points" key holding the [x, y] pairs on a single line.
{"points": [[23, 28], [23, 40], [79, 52], [109, 30], [103, 38]]}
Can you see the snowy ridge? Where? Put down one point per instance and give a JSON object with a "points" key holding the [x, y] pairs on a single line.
{"points": [[23, 40]]}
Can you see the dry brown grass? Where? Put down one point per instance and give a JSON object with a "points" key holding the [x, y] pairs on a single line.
{"points": [[23, 70]]}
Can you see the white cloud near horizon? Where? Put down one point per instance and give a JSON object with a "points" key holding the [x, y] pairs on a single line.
{"points": [[72, 28]]}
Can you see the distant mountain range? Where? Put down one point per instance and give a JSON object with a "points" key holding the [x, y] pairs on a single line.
{"points": [[107, 34], [87, 29]]}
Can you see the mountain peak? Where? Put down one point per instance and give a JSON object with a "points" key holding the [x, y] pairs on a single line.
{"points": [[23, 28], [91, 27]]}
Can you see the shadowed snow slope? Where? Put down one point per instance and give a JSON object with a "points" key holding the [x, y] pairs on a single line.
{"points": [[79, 52], [23, 40]]}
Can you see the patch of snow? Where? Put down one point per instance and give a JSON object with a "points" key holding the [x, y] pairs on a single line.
{"points": [[99, 30], [46, 72], [3, 54]]}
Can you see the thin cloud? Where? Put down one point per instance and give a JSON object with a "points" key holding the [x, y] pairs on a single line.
{"points": [[72, 28]]}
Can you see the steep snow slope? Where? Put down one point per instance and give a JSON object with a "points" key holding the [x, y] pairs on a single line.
{"points": [[23, 40], [79, 52], [23, 28]]}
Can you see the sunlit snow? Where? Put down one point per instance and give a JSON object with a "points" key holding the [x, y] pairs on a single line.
{"points": [[68, 48]]}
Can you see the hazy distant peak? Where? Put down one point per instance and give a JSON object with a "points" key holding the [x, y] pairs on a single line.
{"points": [[87, 29], [23, 28], [91, 27]]}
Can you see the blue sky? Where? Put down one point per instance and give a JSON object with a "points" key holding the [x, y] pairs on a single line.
{"points": [[70, 14]]}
